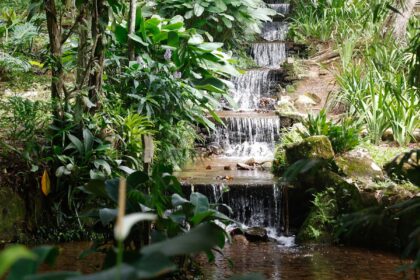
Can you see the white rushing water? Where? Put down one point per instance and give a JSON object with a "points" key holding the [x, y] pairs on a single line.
{"points": [[274, 31], [270, 54], [252, 86], [248, 136], [281, 8]]}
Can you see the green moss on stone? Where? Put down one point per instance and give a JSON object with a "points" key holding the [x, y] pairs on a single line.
{"points": [[12, 213], [314, 147]]}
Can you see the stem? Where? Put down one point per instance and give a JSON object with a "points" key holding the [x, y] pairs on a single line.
{"points": [[119, 259]]}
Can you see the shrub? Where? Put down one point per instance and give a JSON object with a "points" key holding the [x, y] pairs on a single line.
{"points": [[229, 21], [344, 136]]}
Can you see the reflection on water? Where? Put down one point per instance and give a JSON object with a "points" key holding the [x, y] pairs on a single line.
{"points": [[317, 263]]}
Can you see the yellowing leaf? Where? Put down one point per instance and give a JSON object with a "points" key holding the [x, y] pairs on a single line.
{"points": [[45, 183]]}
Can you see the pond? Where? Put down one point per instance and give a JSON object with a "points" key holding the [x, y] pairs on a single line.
{"points": [[272, 260], [304, 262]]}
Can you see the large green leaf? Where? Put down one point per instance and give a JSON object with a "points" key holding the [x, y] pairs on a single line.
{"points": [[200, 239], [153, 266], [125, 272], [178, 200], [25, 267], [77, 144], [96, 187], [11, 255], [56, 275], [107, 215], [137, 178], [88, 140], [200, 201]]}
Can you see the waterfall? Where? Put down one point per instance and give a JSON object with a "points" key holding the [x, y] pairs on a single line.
{"points": [[274, 31], [270, 54], [248, 136], [253, 85], [282, 8], [252, 206]]}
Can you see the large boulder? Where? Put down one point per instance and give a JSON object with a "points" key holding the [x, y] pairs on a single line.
{"points": [[406, 166], [314, 147], [359, 165]]}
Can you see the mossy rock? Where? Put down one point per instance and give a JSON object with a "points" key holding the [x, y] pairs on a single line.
{"points": [[359, 165], [314, 147], [12, 213], [406, 166]]}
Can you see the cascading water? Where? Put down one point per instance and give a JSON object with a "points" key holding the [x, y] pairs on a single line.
{"points": [[269, 54], [274, 31], [248, 136], [258, 206], [254, 85], [281, 8]]}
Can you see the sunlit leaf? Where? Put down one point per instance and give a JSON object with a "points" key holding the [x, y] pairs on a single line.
{"points": [[45, 183]]}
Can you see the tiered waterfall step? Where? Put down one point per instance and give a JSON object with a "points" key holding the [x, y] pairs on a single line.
{"points": [[254, 85]]}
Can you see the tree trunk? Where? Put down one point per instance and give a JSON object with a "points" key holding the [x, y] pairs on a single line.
{"points": [[398, 21], [99, 24], [83, 49], [131, 30], [54, 33]]}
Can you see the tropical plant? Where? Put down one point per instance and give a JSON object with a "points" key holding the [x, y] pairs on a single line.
{"points": [[344, 136], [228, 21], [379, 93]]}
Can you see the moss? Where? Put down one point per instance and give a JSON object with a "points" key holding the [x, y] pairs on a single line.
{"points": [[383, 154], [290, 88], [314, 147], [12, 213], [358, 167], [279, 162]]}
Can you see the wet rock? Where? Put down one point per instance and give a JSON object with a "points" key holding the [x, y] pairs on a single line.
{"points": [[242, 166], [224, 178], [227, 167], [359, 165], [240, 239], [256, 234], [215, 149], [250, 162], [314, 147], [267, 103], [406, 166]]}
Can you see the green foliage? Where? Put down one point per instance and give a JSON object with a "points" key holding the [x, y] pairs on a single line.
{"points": [[151, 263], [21, 126], [378, 91], [327, 20], [343, 136], [288, 137], [321, 221], [229, 21]]}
